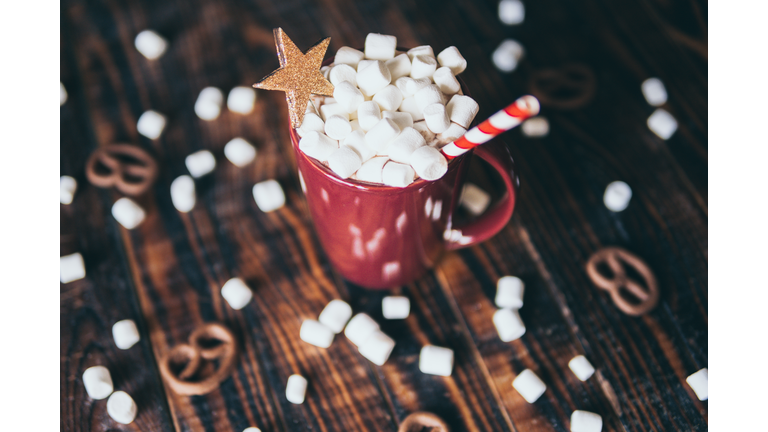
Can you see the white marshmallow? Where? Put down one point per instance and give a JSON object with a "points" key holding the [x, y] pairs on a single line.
{"points": [[509, 292], [377, 348], [268, 195], [446, 81], [317, 145], [128, 213], [71, 268], [401, 119], [462, 110], [360, 328], [452, 58], [409, 86], [535, 127], [410, 106], [240, 152], [401, 148], [427, 96], [316, 333], [508, 324], [511, 12], [296, 389], [371, 170], [150, 44], [379, 46], [348, 96], [380, 135], [62, 94], [453, 133], [474, 199], [208, 104], [337, 127], [654, 91], [436, 117], [364, 64], [97, 382], [356, 141], [335, 315], [585, 421], [236, 293], [341, 73], [252, 429], [183, 193], [395, 307], [399, 66], [423, 66], [311, 122], [389, 98], [345, 161], [617, 196], [581, 367], [121, 407], [125, 334], [368, 114], [423, 129], [327, 100], [662, 124], [529, 385], [428, 163], [325, 71], [435, 360], [373, 78], [507, 55], [349, 56], [699, 382], [200, 163], [241, 100], [67, 188], [329, 110], [397, 175], [151, 124], [424, 50]]}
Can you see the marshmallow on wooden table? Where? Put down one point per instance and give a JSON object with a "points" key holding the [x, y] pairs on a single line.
{"points": [[423, 129], [397, 174], [427, 96], [446, 81], [241, 99], [151, 124], [462, 110], [337, 127], [395, 307], [379, 46], [342, 72], [316, 333], [121, 407], [200, 163], [399, 66], [236, 293], [348, 96], [317, 145], [67, 188], [296, 389], [410, 106], [371, 170], [529, 385], [423, 66], [535, 127], [240, 152], [453, 133], [389, 98], [699, 382], [373, 78], [360, 328], [508, 324], [208, 104], [401, 148], [335, 315], [428, 163], [269, 195], [364, 64], [409, 86], [62, 94], [617, 196], [425, 50], [581, 367], [344, 161], [128, 213], [379, 136], [71, 268], [474, 199], [125, 334], [348, 56], [452, 58], [654, 91], [509, 292], [662, 124], [183, 193], [377, 347], [436, 117], [507, 55], [329, 110], [368, 114], [311, 122], [150, 44], [511, 12], [97, 382], [435, 360], [585, 421]]}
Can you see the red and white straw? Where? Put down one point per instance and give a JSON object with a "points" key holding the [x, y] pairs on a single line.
{"points": [[502, 121]]}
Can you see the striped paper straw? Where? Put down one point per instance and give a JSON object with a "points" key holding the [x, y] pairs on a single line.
{"points": [[502, 121]]}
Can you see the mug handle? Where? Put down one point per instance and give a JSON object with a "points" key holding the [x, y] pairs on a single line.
{"points": [[496, 217]]}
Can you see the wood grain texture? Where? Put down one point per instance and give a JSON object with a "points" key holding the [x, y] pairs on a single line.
{"points": [[167, 274]]}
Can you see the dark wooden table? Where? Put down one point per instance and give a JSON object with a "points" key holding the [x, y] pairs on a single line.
{"points": [[166, 275]]}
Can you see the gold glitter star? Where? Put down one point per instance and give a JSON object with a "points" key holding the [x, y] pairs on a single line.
{"points": [[299, 75]]}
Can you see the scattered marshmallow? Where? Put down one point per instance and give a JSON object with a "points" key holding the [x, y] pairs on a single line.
{"points": [[654, 91], [507, 55], [67, 188], [511, 12], [428, 163], [453, 133], [128, 213], [401, 148], [662, 124], [360, 328], [341, 73], [617, 196], [427, 96], [356, 141], [125, 334], [462, 110], [335, 315], [200, 163], [348, 96], [399, 66], [395, 307], [349, 56], [318, 145], [410, 106], [397, 175], [381, 134], [150, 44], [97, 382], [236, 293], [377, 348], [71, 268], [529, 385], [373, 78], [364, 64], [699, 382], [425, 50], [121, 407], [344, 161], [268, 195], [337, 127], [62, 94], [435, 360], [240, 152], [368, 114], [436, 117], [474, 199], [208, 104], [296, 389], [151, 124], [452, 58], [446, 81], [241, 99], [401, 119], [316, 333], [329, 110], [183, 193], [311, 122], [585, 421], [389, 98], [371, 170], [423, 66], [379, 46], [508, 324], [535, 127], [509, 292], [581, 367]]}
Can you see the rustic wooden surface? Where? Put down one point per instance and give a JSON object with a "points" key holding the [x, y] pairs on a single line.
{"points": [[166, 274]]}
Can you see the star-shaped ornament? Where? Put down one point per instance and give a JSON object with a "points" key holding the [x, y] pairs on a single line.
{"points": [[299, 75]]}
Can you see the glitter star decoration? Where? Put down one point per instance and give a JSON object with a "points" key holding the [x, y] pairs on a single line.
{"points": [[299, 75]]}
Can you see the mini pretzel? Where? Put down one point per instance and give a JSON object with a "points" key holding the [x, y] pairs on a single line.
{"points": [[423, 421], [634, 299], [128, 168]]}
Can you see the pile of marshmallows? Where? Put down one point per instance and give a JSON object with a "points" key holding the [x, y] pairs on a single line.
{"points": [[390, 113]]}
